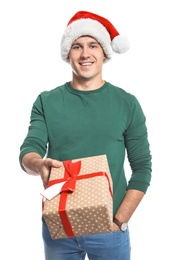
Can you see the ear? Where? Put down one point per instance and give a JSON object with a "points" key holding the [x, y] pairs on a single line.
{"points": [[104, 55], [104, 58]]}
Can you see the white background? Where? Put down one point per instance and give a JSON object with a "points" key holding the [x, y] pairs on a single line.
{"points": [[30, 33]]}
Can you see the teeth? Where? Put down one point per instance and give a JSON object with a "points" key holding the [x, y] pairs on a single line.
{"points": [[86, 64]]}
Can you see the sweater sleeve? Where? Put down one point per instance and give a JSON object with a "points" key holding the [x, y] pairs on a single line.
{"points": [[138, 149], [37, 137]]}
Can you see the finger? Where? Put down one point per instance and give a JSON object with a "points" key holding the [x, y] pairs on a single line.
{"points": [[52, 163]]}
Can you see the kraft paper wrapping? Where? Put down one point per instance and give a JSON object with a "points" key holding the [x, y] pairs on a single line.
{"points": [[88, 209]]}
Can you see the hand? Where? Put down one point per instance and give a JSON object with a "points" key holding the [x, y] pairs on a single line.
{"points": [[43, 168], [115, 227], [34, 164]]}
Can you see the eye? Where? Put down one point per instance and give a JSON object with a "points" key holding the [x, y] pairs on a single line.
{"points": [[76, 47], [93, 46]]}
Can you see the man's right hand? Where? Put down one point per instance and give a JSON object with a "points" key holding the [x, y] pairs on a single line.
{"points": [[35, 165]]}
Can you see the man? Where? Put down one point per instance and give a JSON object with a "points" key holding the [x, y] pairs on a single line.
{"points": [[86, 117]]}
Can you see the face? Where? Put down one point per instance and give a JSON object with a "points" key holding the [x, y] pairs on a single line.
{"points": [[86, 58]]}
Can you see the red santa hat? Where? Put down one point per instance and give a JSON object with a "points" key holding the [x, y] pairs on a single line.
{"points": [[85, 23]]}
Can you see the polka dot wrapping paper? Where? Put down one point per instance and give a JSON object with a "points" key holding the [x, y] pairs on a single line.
{"points": [[84, 205]]}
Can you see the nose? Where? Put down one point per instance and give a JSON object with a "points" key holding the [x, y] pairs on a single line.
{"points": [[85, 52]]}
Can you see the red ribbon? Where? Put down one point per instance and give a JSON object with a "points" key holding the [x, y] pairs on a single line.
{"points": [[71, 175]]}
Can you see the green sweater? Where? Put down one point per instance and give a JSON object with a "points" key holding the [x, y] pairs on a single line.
{"points": [[67, 124]]}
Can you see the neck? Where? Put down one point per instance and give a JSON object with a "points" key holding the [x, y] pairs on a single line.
{"points": [[87, 85]]}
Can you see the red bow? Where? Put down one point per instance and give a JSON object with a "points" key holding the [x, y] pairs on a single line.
{"points": [[71, 172]]}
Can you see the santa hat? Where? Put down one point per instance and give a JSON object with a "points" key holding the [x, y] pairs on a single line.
{"points": [[85, 23]]}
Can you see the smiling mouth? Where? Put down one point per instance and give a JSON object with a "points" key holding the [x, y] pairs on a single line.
{"points": [[86, 63]]}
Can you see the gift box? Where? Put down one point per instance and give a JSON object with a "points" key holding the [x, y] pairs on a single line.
{"points": [[82, 201]]}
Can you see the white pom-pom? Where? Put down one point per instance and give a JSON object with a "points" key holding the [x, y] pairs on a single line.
{"points": [[120, 44]]}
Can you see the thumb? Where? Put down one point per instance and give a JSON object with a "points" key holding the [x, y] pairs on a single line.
{"points": [[53, 163], [56, 163]]}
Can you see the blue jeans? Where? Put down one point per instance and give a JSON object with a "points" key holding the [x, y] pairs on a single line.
{"points": [[113, 246]]}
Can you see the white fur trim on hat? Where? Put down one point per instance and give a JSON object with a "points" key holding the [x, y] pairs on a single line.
{"points": [[83, 27]]}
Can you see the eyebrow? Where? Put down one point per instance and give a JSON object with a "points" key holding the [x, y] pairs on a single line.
{"points": [[92, 42]]}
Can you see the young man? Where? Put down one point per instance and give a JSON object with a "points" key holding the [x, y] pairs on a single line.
{"points": [[86, 117]]}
